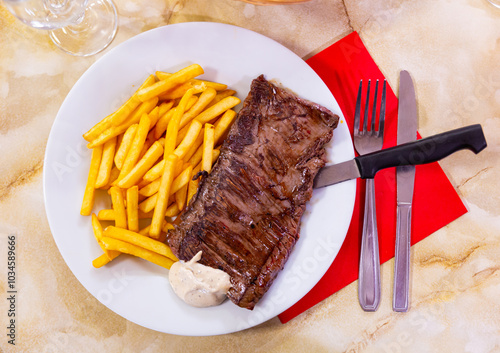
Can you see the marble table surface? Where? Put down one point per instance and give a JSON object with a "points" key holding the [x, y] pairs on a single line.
{"points": [[452, 49]]}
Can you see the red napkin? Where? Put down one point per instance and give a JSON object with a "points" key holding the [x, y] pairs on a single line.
{"points": [[435, 201]]}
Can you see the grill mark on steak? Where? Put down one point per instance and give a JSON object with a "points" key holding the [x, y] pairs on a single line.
{"points": [[246, 214]]}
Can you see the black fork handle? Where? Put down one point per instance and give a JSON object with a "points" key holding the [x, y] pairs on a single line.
{"points": [[427, 150]]}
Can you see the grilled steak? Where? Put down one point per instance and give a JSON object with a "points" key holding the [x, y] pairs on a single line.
{"points": [[246, 214]]}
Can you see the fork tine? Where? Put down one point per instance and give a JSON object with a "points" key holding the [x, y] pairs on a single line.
{"points": [[382, 112], [365, 116], [374, 110], [358, 109]]}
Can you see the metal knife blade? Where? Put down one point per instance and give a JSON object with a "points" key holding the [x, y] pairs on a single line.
{"points": [[405, 178], [411, 153], [337, 173]]}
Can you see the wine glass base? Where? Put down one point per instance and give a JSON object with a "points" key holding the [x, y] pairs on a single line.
{"points": [[495, 3], [92, 34]]}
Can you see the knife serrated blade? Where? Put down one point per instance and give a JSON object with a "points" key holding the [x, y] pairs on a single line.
{"points": [[405, 177]]}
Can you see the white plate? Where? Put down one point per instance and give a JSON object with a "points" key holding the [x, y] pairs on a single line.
{"points": [[133, 288]]}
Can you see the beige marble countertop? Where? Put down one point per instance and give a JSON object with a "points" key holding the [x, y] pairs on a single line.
{"points": [[452, 49]]}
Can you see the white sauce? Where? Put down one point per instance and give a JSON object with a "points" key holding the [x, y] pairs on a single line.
{"points": [[199, 285]]}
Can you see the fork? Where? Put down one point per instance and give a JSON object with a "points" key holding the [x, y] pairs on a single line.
{"points": [[368, 141]]}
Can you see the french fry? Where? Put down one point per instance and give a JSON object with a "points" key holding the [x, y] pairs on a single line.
{"points": [[215, 155], [124, 247], [193, 183], [89, 194], [142, 184], [162, 124], [218, 108], [161, 141], [220, 96], [119, 139], [205, 98], [118, 207], [217, 86], [119, 114], [223, 125], [146, 162], [122, 151], [173, 124], [145, 231], [192, 186], [109, 215], [98, 128], [208, 146], [138, 239], [136, 147], [179, 91], [124, 193], [175, 79], [108, 154], [162, 75], [132, 208], [195, 146], [147, 144], [164, 107], [96, 226], [126, 109], [180, 197], [153, 116], [166, 227], [163, 193], [188, 140], [172, 210], [149, 204], [181, 134], [197, 156], [151, 137], [176, 92], [157, 171], [112, 177], [100, 261], [180, 179], [151, 188], [106, 215], [104, 259], [144, 108]]}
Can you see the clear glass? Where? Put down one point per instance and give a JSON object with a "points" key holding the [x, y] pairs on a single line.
{"points": [[495, 3], [79, 27]]}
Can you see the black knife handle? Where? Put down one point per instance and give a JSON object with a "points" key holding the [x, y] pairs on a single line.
{"points": [[427, 150]]}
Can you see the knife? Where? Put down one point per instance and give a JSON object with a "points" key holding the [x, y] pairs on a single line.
{"points": [[426, 150], [405, 177]]}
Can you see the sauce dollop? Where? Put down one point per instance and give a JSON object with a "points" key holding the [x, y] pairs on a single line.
{"points": [[199, 285]]}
